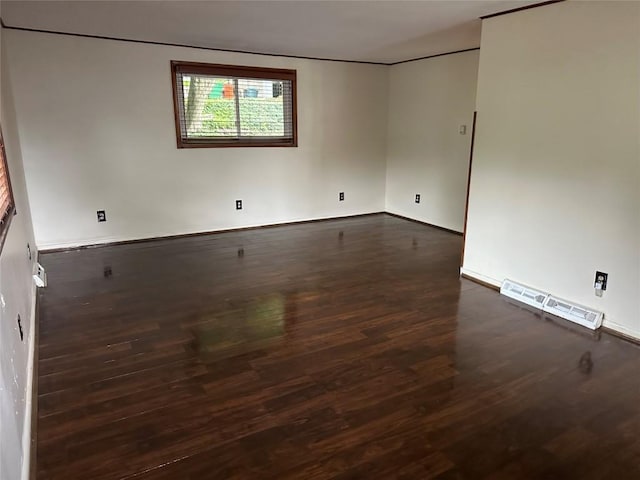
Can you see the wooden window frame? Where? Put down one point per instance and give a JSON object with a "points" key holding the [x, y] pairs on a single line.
{"points": [[7, 216], [237, 72]]}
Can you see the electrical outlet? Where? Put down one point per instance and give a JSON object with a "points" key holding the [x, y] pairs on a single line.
{"points": [[462, 130], [417, 198], [341, 196], [29, 251], [102, 216], [600, 283], [240, 252], [238, 204], [40, 277]]}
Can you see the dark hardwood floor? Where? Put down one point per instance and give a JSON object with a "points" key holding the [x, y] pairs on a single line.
{"points": [[339, 349]]}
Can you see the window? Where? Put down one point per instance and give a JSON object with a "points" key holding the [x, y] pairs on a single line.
{"points": [[7, 207], [234, 106]]}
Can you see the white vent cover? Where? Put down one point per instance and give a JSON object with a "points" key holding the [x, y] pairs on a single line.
{"points": [[523, 294], [576, 313]]}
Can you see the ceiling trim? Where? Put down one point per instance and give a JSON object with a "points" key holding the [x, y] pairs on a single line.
{"points": [[167, 44], [433, 56], [526, 7], [182, 45]]}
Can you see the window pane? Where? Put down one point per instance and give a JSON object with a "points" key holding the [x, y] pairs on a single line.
{"points": [[227, 105], [5, 192], [261, 108], [209, 106], [6, 200]]}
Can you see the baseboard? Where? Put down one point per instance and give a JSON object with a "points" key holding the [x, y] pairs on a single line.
{"points": [[111, 242], [483, 280], [108, 242], [31, 396], [609, 326], [448, 230], [620, 331]]}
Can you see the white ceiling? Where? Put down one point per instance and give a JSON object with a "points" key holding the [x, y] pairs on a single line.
{"points": [[365, 30]]}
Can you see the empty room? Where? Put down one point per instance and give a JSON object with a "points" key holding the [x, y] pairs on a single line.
{"points": [[320, 239]]}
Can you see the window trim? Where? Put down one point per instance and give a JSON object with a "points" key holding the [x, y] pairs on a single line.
{"points": [[233, 71], [5, 219]]}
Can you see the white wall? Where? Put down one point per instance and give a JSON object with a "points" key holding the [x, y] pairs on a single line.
{"points": [[17, 292], [555, 187], [428, 101], [97, 131]]}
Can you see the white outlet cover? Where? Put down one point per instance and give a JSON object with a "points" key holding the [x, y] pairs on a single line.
{"points": [[40, 277]]}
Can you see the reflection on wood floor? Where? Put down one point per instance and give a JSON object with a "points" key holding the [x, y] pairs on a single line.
{"points": [[339, 349]]}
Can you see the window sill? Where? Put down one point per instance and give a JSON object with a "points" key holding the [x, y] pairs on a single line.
{"points": [[197, 144]]}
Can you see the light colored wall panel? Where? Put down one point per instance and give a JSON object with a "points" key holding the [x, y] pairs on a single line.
{"points": [[555, 189]]}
